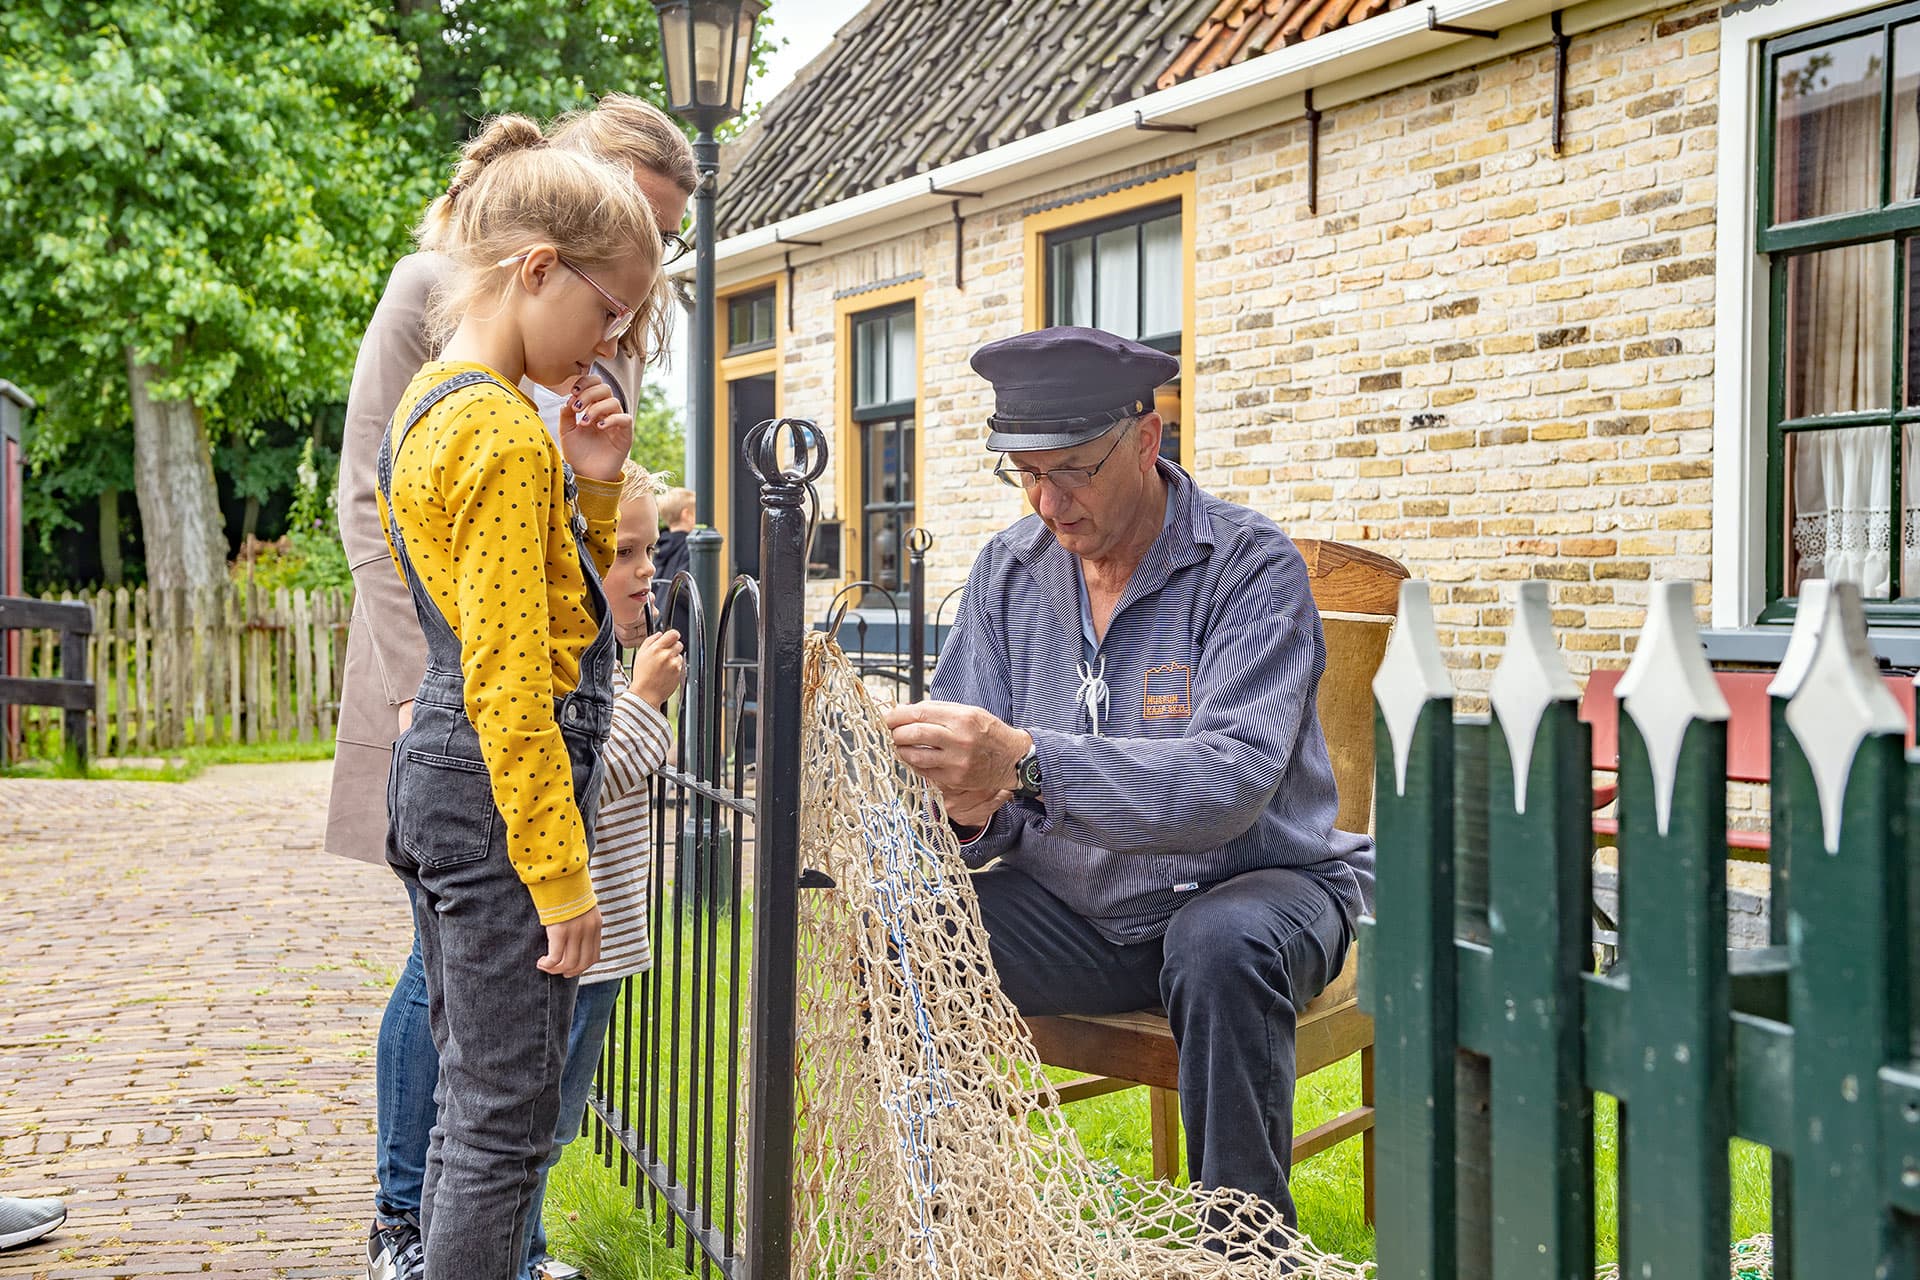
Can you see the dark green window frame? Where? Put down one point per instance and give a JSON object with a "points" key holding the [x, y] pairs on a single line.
{"points": [[1898, 224], [750, 322]]}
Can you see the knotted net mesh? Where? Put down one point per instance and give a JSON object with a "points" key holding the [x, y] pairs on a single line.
{"points": [[928, 1141]]}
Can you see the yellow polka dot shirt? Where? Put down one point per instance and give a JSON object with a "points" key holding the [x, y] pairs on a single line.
{"points": [[479, 494]]}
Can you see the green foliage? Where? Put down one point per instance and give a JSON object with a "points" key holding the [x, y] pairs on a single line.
{"points": [[310, 555], [213, 186], [659, 436]]}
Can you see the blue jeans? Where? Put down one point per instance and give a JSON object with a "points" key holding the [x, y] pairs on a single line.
{"points": [[592, 1011], [406, 1066]]}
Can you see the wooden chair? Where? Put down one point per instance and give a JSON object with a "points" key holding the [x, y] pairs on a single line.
{"points": [[1357, 592]]}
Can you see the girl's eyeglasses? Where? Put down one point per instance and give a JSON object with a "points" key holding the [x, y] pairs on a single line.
{"points": [[623, 315]]}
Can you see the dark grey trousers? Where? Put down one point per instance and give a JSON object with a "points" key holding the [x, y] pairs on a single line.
{"points": [[1233, 970], [500, 1023]]}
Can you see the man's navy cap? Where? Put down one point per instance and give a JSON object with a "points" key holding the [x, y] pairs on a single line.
{"points": [[1056, 388]]}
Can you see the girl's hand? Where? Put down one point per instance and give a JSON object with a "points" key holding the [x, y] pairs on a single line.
{"points": [[658, 667], [572, 946], [596, 434]]}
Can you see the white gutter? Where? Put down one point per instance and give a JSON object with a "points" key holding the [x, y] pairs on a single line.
{"points": [[1322, 61]]}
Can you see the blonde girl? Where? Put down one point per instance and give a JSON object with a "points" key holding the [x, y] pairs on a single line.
{"points": [[502, 535]]}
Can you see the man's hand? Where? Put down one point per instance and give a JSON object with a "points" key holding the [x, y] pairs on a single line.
{"points": [[974, 808], [595, 432], [572, 945], [958, 748]]}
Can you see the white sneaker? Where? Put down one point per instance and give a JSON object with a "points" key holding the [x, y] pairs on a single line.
{"points": [[24, 1220]]}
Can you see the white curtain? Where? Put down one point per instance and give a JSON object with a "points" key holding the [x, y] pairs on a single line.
{"points": [[1841, 487]]}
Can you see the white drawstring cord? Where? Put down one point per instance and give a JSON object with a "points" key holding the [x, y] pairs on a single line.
{"points": [[1093, 691]]}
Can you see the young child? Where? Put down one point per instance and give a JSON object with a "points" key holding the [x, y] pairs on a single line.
{"points": [[495, 784], [623, 857]]}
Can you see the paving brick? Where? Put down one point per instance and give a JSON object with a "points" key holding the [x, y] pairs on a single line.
{"points": [[194, 989]]}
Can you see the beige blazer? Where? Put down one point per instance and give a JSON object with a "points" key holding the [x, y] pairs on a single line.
{"points": [[386, 654]]}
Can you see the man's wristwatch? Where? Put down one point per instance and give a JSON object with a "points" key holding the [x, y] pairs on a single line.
{"points": [[1026, 774]]}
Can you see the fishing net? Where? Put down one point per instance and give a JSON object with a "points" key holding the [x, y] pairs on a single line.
{"points": [[929, 1142]]}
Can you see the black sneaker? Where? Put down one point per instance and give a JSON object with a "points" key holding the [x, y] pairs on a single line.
{"points": [[547, 1268], [394, 1251]]}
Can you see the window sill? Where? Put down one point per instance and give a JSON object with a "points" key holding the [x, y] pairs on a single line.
{"points": [[1764, 646]]}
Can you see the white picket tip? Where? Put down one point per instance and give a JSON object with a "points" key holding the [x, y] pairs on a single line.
{"points": [[1531, 677], [1840, 702], [1668, 685], [1413, 672]]}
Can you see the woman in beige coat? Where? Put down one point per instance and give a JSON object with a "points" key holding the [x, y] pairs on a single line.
{"points": [[386, 653]]}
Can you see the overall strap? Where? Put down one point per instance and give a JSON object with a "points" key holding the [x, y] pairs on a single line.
{"points": [[433, 623]]}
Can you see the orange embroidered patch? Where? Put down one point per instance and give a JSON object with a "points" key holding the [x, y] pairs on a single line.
{"points": [[1169, 692]]}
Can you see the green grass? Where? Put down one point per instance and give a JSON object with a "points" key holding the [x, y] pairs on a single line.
{"points": [[185, 763], [594, 1224]]}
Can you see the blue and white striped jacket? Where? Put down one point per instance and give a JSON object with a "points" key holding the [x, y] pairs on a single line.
{"points": [[1209, 759]]}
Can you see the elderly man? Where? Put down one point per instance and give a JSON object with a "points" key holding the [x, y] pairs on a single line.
{"points": [[1124, 717]]}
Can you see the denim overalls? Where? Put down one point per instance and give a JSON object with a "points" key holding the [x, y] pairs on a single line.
{"points": [[499, 1023]]}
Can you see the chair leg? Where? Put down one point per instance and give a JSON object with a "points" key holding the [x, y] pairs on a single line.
{"points": [[1163, 1106], [1366, 1136]]}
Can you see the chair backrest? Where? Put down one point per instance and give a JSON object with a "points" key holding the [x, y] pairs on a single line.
{"points": [[1358, 593]]}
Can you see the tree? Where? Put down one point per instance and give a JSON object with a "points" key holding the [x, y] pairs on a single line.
{"points": [[196, 207], [659, 437]]}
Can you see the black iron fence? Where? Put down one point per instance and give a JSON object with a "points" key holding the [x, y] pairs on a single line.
{"points": [[694, 1098]]}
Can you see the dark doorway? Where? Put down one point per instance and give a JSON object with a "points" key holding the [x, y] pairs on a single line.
{"points": [[749, 403]]}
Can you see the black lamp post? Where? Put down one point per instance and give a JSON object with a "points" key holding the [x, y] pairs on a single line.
{"points": [[708, 48]]}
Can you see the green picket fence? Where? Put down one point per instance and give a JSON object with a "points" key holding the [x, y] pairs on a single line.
{"points": [[1494, 1031]]}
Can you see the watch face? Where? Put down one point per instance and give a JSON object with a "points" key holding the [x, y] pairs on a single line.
{"points": [[1030, 773]]}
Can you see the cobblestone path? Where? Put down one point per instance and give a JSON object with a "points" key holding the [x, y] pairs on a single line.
{"points": [[191, 992]]}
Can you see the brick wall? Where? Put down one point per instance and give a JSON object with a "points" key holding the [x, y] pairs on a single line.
{"points": [[1488, 361]]}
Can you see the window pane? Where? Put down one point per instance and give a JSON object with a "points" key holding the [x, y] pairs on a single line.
{"points": [[900, 364], [1827, 130], [763, 318], [883, 463], [1117, 310], [1071, 285], [868, 363], [1166, 402], [1839, 485], [1910, 512], [1838, 346], [1906, 112], [1160, 308]]}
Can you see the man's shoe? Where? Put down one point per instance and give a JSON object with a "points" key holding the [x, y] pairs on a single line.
{"points": [[544, 1268], [24, 1220], [394, 1251]]}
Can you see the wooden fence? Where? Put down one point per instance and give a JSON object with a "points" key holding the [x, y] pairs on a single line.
{"points": [[1494, 1031], [186, 668]]}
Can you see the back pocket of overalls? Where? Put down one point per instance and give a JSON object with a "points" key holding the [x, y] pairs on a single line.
{"points": [[447, 814]]}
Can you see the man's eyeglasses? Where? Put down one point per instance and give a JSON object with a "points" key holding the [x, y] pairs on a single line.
{"points": [[673, 247], [1065, 479], [623, 315]]}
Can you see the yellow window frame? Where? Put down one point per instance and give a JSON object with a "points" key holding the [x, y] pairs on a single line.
{"points": [[1035, 227], [848, 447]]}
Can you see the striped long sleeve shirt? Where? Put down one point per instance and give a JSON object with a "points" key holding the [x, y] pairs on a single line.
{"points": [[1207, 759], [623, 854]]}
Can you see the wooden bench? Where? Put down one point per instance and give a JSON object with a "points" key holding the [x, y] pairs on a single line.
{"points": [[1749, 743], [1357, 592]]}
